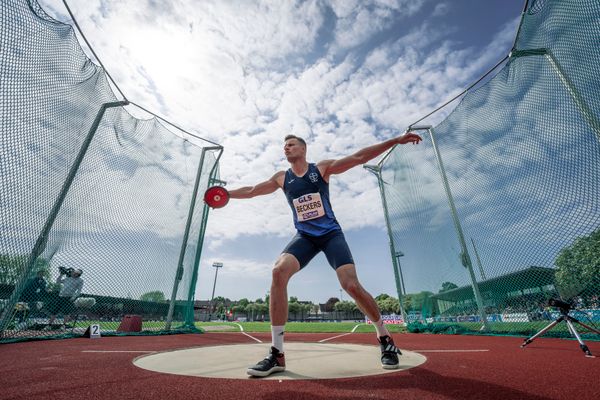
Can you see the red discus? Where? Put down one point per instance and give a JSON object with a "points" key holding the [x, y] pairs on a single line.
{"points": [[216, 196]]}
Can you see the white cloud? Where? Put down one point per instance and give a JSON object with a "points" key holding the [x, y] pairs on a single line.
{"points": [[244, 74], [220, 66], [440, 9], [358, 20]]}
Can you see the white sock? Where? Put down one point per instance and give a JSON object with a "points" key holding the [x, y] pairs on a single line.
{"points": [[380, 328], [277, 337]]}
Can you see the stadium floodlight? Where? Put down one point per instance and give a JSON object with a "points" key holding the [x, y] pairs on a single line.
{"points": [[216, 265]]}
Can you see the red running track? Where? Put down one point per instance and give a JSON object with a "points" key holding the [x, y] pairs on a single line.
{"points": [[63, 369]]}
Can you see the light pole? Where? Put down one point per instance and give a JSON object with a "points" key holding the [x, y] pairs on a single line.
{"points": [[399, 254], [376, 169], [217, 265], [341, 298]]}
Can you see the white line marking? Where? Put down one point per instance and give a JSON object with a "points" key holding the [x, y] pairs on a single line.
{"points": [[118, 351], [244, 333], [325, 340], [252, 337], [352, 331], [450, 351]]}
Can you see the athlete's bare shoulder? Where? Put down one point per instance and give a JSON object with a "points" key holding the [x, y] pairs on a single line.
{"points": [[324, 163], [323, 167], [279, 177]]}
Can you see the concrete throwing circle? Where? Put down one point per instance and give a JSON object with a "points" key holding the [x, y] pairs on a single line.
{"points": [[303, 361]]}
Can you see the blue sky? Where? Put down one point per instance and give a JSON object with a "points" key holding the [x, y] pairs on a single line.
{"points": [[342, 74]]}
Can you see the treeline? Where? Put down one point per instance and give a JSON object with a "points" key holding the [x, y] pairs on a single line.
{"points": [[420, 302]]}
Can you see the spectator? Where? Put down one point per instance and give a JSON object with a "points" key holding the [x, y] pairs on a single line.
{"points": [[35, 291], [70, 283]]}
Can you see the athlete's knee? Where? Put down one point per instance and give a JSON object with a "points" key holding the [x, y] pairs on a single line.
{"points": [[282, 272], [351, 286], [279, 276]]}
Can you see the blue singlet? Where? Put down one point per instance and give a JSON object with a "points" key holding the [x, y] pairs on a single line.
{"points": [[308, 196]]}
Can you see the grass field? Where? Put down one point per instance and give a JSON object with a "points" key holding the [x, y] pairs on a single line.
{"points": [[511, 329], [218, 326], [296, 327]]}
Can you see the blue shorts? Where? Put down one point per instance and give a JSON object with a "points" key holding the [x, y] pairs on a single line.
{"points": [[333, 244]]}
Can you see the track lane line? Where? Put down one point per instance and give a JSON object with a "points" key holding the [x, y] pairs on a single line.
{"points": [[452, 351], [338, 336], [244, 333], [118, 351]]}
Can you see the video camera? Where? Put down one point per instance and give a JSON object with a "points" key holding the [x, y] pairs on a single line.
{"points": [[66, 271], [563, 305]]}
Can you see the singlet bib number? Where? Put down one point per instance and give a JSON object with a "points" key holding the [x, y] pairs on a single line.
{"points": [[309, 207]]}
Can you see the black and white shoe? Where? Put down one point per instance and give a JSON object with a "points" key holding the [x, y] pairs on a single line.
{"points": [[389, 353], [274, 362]]}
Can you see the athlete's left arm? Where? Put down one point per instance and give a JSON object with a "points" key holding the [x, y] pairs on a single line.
{"points": [[332, 167]]}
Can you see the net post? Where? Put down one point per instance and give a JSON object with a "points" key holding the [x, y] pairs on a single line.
{"points": [[481, 271], [211, 181], [42, 239], [376, 170], [588, 115], [179, 269], [179, 273], [580, 103], [186, 234], [465, 258]]}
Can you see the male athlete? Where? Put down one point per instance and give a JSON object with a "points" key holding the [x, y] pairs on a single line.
{"points": [[306, 187]]}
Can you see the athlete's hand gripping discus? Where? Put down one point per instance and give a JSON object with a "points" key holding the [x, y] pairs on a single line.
{"points": [[216, 196]]}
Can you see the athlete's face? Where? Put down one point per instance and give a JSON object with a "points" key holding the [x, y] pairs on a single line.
{"points": [[294, 149]]}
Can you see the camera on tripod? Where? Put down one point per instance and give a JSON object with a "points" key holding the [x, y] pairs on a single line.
{"points": [[570, 321], [563, 305], [66, 271]]}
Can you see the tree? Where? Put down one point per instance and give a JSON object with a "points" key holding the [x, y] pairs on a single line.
{"points": [[306, 308], [578, 266], [330, 304], [156, 296], [447, 286], [294, 307], [262, 310], [345, 306], [382, 296], [221, 300], [388, 304], [407, 301], [238, 309], [12, 267], [423, 303], [251, 310]]}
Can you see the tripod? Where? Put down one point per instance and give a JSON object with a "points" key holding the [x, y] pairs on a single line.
{"points": [[564, 311]]}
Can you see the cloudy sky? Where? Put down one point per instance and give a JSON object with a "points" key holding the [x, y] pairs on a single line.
{"points": [[342, 74]]}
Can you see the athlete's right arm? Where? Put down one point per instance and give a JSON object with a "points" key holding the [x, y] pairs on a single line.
{"points": [[266, 187]]}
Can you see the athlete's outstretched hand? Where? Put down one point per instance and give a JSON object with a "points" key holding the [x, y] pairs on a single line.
{"points": [[409, 137]]}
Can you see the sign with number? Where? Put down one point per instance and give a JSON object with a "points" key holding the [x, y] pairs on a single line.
{"points": [[94, 331]]}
